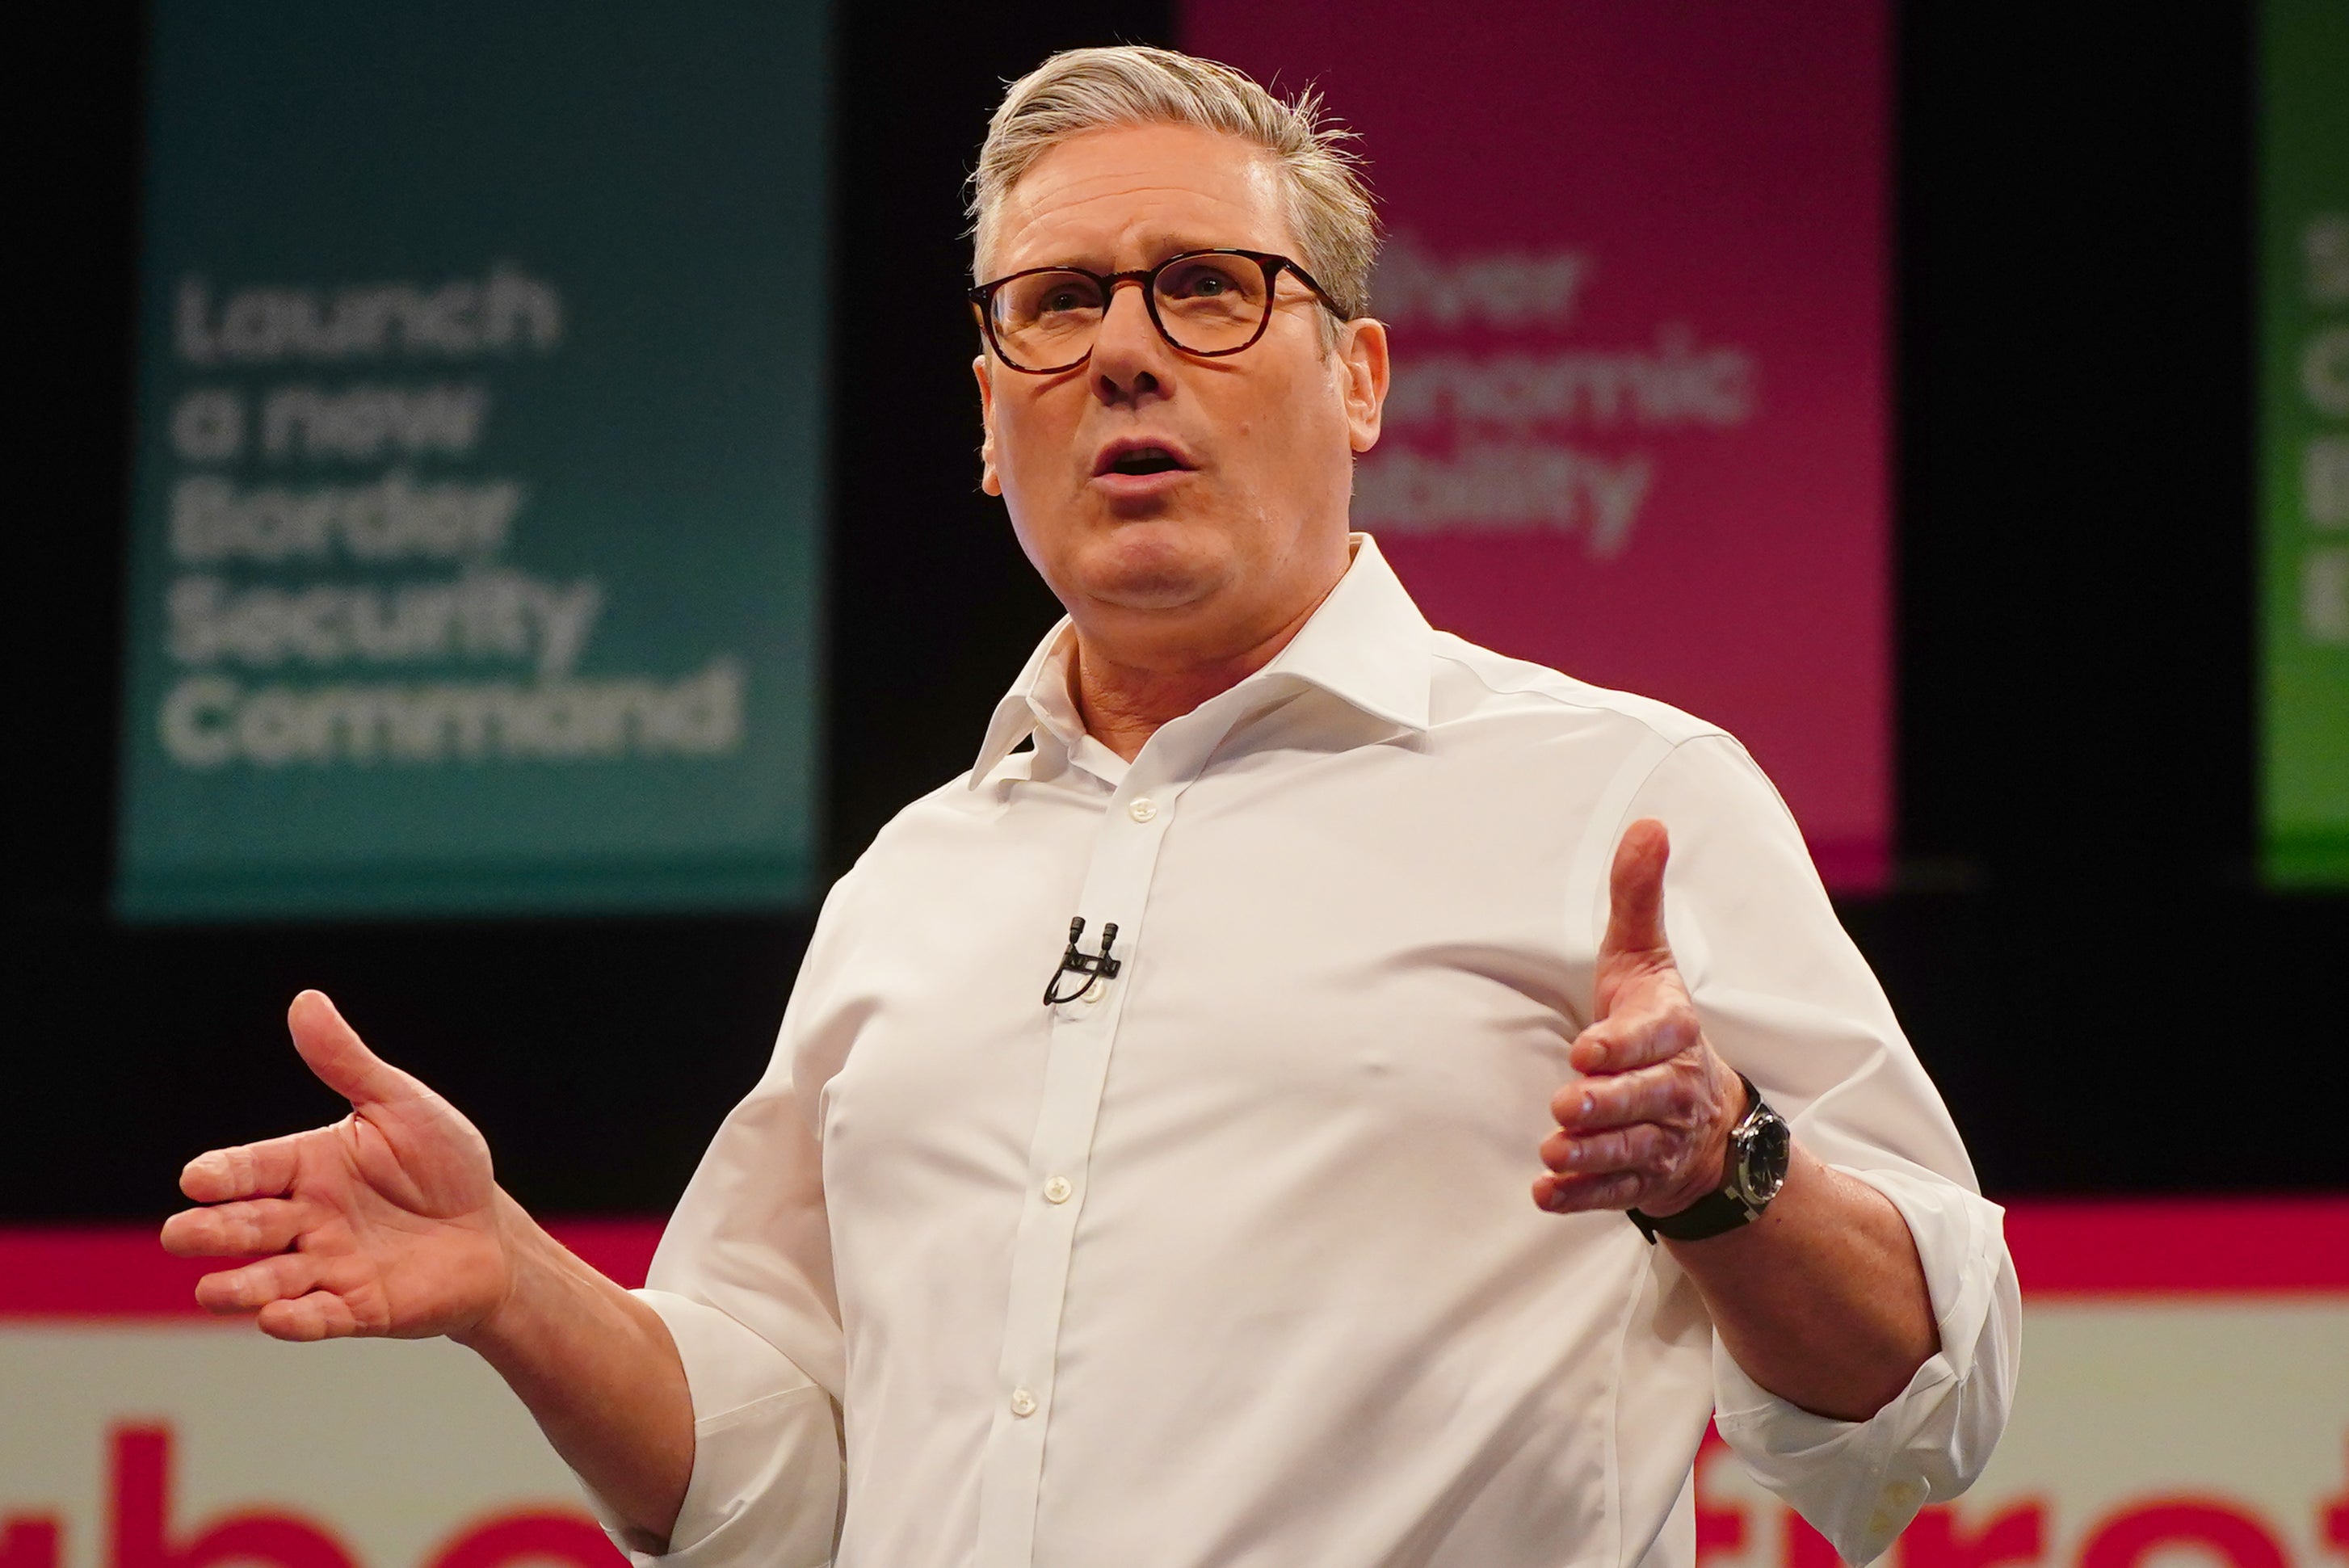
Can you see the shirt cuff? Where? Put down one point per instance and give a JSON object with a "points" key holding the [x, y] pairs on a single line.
{"points": [[1860, 1482], [766, 1485]]}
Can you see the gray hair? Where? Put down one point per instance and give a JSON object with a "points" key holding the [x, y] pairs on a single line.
{"points": [[1079, 90]]}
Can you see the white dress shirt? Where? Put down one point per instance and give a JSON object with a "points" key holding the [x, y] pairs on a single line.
{"points": [[1234, 1261]]}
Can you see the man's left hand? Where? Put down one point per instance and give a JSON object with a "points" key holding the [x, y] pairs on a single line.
{"points": [[1647, 1126]]}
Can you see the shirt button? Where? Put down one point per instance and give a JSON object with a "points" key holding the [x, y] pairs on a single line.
{"points": [[1022, 1402], [1057, 1190], [1143, 809]]}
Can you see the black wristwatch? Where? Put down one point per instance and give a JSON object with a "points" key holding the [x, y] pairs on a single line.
{"points": [[1752, 1169]]}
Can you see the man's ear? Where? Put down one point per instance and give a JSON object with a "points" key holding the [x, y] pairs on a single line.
{"points": [[1361, 357], [987, 482]]}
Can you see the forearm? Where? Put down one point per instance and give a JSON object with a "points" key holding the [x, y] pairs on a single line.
{"points": [[598, 1371], [1822, 1300]]}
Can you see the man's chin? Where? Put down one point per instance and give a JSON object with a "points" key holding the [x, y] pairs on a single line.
{"points": [[1148, 596], [1160, 564], [1168, 585]]}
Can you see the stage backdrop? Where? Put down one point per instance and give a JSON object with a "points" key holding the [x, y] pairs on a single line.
{"points": [[2304, 436], [477, 528], [1636, 278], [2185, 1404]]}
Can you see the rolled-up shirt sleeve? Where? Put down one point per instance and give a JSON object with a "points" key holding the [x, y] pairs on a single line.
{"points": [[1788, 1000], [766, 1448], [743, 1280], [1860, 1482]]}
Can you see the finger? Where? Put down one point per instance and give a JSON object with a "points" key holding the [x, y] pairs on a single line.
{"points": [[1645, 1151], [342, 1061], [1647, 1095], [248, 1170], [256, 1285], [1653, 1031], [1575, 1194], [244, 1229], [320, 1315], [1635, 891]]}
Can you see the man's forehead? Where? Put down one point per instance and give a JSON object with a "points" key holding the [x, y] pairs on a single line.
{"points": [[1131, 193]]}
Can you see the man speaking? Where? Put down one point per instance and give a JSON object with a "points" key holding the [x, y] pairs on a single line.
{"points": [[1142, 1175]]}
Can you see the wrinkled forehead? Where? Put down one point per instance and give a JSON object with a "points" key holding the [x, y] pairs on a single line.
{"points": [[1127, 196]]}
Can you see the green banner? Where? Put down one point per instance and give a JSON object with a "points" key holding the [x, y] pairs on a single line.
{"points": [[477, 523], [2305, 438]]}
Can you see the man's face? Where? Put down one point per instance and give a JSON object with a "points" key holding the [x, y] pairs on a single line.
{"points": [[1242, 527]]}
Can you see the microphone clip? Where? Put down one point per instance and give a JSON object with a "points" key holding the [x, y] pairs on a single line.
{"points": [[1089, 968]]}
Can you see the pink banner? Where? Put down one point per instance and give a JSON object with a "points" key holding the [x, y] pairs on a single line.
{"points": [[1637, 283]]}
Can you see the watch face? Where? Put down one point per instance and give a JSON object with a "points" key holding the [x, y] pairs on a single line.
{"points": [[1762, 1165]]}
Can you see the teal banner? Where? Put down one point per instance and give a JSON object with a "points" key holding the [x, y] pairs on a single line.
{"points": [[2304, 438], [477, 525]]}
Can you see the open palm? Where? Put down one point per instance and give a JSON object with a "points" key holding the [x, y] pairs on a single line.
{"points": [[384, 1223]]}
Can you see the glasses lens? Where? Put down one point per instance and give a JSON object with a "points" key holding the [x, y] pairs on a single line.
{"points": [[1046, 319], [1213, 302]]}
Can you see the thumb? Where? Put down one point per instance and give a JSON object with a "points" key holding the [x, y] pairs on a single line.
{"points": [[1635, 893], [335, 1052]]}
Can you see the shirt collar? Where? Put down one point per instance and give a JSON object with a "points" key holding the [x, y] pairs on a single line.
{"points": [[1366, 644]]}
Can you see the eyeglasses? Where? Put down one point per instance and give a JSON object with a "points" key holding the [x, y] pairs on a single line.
{"points": [[1209, 303]]}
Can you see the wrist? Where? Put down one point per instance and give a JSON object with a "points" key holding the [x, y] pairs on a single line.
{"points": [[1752, 1168], [1709, 1173], [523, 1276]]}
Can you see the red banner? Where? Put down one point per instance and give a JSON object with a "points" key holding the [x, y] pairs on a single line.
{"points": [[1637, 283], [2185, 1404]]}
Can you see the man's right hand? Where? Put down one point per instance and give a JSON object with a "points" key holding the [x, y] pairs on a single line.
{"points": [[387, 1222]]}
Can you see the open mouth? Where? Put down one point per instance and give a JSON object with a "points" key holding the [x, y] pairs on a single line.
{"points": [[1140, 459]]}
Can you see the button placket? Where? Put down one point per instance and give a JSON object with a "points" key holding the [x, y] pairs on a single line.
{"points": [[1116, 888]]}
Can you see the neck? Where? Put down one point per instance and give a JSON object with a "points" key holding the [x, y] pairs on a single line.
{"points": [[1123, 700]]}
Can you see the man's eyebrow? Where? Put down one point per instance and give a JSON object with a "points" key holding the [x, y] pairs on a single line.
{"points": [[1159, 250], [1154, 250]]}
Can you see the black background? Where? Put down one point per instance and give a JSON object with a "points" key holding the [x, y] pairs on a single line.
{"points": [[2077, 940]]}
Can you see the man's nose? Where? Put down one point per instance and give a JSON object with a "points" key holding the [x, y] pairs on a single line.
{"points": [[1130, 359]]}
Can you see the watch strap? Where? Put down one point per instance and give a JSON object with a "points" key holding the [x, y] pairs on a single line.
{"points": [[1711, 1215]]}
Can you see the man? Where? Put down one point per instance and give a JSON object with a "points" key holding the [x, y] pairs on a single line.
{"points": [[1218, 1249]]}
